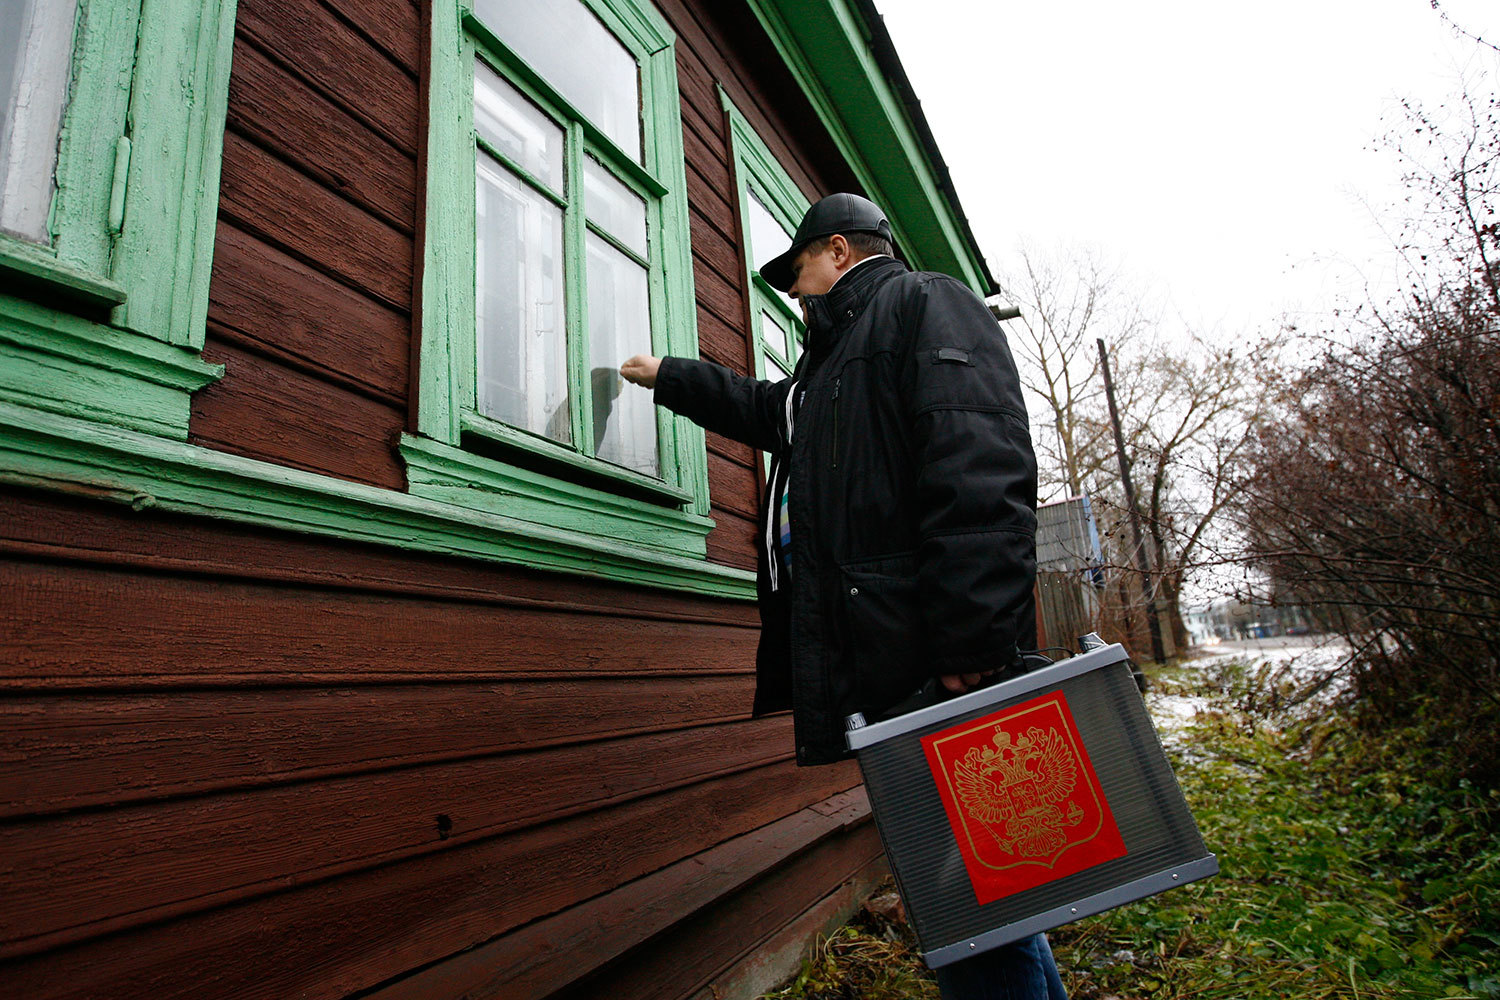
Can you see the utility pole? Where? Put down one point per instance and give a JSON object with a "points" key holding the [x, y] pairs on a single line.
{"points": [[1142, 558]]}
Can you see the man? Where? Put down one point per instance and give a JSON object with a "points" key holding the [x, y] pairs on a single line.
{"points": [[897, 536]]}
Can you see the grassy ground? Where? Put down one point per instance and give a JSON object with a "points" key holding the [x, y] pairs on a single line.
{"points": [[1353, 867]]}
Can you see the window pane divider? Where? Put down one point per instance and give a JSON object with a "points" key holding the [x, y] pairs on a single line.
{"points": [[494, 153], [607, 237], [575, 283]]}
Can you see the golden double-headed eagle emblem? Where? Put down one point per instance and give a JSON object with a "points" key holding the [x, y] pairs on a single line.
{"points": [[1017, 789]]}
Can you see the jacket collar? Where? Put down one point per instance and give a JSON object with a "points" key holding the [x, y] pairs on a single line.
{"points": [[830, 314]]}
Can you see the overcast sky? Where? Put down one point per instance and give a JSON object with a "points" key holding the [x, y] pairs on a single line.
{"points": [[1223, 153]]}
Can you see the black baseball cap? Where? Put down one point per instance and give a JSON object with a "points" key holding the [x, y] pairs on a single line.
{"points": [[837, 213]]}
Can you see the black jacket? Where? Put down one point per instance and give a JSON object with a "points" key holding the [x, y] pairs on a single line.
{"points": [[912, 497]]}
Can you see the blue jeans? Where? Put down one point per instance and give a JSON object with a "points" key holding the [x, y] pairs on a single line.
{"points": [[1020, 971]]}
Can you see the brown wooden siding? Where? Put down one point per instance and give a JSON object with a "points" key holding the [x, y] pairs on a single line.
{"points": [[241, 762], [311, 298], [224, 744]]}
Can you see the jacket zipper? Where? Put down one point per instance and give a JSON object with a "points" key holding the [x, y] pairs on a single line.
{"points": [[836, 383]]}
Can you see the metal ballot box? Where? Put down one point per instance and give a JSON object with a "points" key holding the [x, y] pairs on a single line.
{"points": [[1023, 806]]}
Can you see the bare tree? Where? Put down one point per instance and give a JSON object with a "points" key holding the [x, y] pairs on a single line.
{"points": [[1375, 490], [1067, 299], [1186, 412]]}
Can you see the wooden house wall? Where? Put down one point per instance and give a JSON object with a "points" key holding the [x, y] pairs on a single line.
{"points": [[241, 762]]}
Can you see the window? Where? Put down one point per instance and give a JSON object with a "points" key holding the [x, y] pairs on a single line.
{"points": [[111, 127], [556, 247], [770, 208]]}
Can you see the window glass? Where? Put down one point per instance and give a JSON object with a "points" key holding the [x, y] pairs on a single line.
{"points": [[768, 237], [773, 335], [619, 326], [569, 48], [516, 128], [36, 47], [613, 207], [775, 371], [522, 342]]}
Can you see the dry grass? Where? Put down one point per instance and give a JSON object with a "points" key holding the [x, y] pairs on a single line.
{"points": [[874, 957]]}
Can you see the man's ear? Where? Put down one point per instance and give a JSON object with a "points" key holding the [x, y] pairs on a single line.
{"points": [[840, 247]]}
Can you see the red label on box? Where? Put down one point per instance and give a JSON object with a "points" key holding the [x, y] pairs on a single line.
{"points": [[1022, 797]]}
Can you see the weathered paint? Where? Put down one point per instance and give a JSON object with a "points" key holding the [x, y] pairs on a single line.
{"points": [[442, 472], [50, 449], [93, 371], [176, 126]]}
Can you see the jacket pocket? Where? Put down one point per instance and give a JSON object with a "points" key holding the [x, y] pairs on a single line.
{"points": [[883, 626]]}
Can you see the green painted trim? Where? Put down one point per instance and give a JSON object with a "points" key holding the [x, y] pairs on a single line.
{"points": [[575, 270], [25, 264], [448, 279], [178, 106], [72, 366], [104, 66], [445, 383], [442, 472], [553, 451], [52, 451], [644, 31], [674, 310], [824, 45]]}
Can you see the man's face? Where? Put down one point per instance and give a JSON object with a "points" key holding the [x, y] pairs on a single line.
{"points": [[817, 269]]}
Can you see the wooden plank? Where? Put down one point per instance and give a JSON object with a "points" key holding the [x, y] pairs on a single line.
{"points": [[733, 487], [720, 342], [265, 196], [713, 142], [772, 960], [537, 960], [69, 752], [710, 188], [722, 256], [687, 957], [716, 293], [393, 25], [279, 111], [51, 526], [338, 61], [270, 411], [331, 938], [700, 100], [76, 626], [734, 540], [730, 448], [188, 855], [295, 313]]}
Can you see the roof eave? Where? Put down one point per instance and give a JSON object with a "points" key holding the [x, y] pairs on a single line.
{"points": [[862, 95]]}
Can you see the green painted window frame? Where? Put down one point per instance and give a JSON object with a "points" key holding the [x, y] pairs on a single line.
{"points": [[755, 167], [457, 454], [135, 197], [106, 320]]}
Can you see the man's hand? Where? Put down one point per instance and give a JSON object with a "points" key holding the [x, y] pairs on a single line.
{"points": [[959, 683], [641, 370]]}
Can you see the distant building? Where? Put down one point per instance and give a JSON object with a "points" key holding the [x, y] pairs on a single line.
{"points": [[1070, 571], [1230, 617]]}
